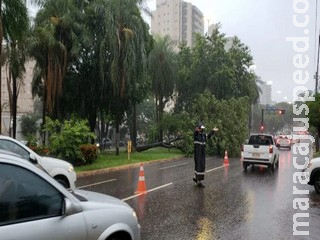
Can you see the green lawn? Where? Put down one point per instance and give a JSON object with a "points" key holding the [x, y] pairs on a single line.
{"points": [[108, 159]]}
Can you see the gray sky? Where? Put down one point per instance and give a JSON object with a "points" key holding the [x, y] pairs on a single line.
{"points": [[264, 25]]}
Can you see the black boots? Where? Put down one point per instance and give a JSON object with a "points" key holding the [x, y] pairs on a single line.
{"points": [[199, 183]]}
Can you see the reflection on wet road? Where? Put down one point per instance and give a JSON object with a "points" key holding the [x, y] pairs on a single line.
{"points": [[257, 204]]}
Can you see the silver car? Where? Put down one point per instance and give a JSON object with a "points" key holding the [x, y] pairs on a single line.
{"points": [[35, 206], [60, 170]]}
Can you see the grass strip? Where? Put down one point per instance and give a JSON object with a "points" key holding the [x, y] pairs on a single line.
{"points": [[108, 159]]}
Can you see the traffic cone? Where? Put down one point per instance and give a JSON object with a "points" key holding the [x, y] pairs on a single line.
{"points": [[141, 188], [226, 159]]}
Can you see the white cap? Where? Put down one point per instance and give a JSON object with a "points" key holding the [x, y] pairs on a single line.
{"points": [[202, 127]]}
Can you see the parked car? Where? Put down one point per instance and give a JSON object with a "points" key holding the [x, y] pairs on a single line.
{"points": [[60, 170], [312, 173], [35, 206], [105, 143]]}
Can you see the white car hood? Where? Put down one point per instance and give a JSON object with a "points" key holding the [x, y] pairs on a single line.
{"points": [[315, 161], [100, 198], [49, 162]]}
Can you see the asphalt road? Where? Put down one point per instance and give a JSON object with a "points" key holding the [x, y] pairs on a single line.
{"points": [[257, 204]]}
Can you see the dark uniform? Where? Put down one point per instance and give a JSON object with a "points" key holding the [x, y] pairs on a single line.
{"points": [[200, 138]]}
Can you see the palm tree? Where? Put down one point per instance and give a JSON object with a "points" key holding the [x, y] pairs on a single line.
{"points": [[163, 75], [53, 46], [127, 38], [16, 56], [13, 20]]}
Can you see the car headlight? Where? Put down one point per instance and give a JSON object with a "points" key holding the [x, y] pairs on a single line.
{"points": [[134, 214], [71, 168]]}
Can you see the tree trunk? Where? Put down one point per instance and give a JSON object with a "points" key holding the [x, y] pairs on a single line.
{"points": [[317, 140], [161, 107], [157, 144], [14, 105], [117, 137], [134, 126]]}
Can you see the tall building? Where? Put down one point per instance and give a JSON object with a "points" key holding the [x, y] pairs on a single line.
{"points": [[178, 19], [265, 95], [25, 102]]}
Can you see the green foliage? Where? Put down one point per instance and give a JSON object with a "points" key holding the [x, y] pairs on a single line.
{"points": [[66, 137], [28, 124], [314, 112], [32, 140], [217, 64], [230, 116]]}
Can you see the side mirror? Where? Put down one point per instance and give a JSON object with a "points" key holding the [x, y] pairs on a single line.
{"points": [[277, 145], [70, 208], [33, 159]]}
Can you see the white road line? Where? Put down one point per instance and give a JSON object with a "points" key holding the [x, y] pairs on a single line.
{"points": [[213, 169], [98, 183], [172, 166], [151, 190]]}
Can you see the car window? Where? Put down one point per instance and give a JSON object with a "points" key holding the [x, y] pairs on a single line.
{"points": [[260, 140], [24, 196], [14, 147]]}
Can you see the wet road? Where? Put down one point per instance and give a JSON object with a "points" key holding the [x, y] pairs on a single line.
{"points": [[257, 204]]}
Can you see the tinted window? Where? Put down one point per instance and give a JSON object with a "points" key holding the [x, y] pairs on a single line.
{"points": [[260, 140], [24, 196], [14, 147]]}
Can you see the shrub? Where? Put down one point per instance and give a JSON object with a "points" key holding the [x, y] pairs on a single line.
{"points": [[89, 152], [66, 137], [28, 124]]}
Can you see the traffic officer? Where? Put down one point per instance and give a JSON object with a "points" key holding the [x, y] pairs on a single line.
{"points": [[200, 138]]}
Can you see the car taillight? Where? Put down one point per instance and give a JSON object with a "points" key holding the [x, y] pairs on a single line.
{"points": [[270, 149]]}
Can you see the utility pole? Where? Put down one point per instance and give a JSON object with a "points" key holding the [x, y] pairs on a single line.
{"points": [[262, 126]]}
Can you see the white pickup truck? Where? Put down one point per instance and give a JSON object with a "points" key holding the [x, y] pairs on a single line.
{"points": [[262, 150]]}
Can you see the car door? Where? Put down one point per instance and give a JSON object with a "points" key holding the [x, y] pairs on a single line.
{"points": [[32, 208]]}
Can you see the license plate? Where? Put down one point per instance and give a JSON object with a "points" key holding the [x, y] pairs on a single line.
{"points": [[255, 154]]}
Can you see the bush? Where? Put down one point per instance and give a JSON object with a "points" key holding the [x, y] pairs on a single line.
{"points": [[66, 137], [29, 124], [89, 152]]}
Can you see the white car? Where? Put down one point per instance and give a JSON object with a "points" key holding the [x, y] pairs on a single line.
{"points": [[260, 150], [35, 206], [284, 141], [312, 171], [60, 170]]}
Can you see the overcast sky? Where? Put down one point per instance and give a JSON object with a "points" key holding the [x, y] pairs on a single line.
{"points": [[264, 25]]}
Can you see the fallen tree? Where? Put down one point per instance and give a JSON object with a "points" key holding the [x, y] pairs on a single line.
{"points": [[160, 144]]}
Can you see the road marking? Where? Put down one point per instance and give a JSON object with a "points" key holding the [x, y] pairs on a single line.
{"points": [[213, 169], [98, 183], [151, 190], [172, 166]]}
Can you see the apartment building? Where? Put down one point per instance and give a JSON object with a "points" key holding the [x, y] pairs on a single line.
{"points": [[25, 102], [265, 95], [178, 19]]}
